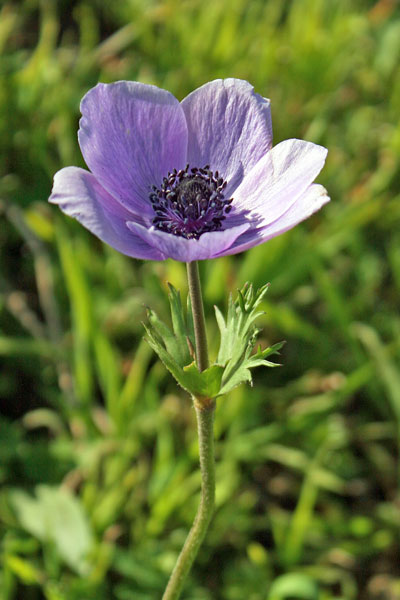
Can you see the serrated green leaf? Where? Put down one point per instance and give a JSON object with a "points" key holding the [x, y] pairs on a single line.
{"points": [[258, 359], [238, 337], [241, 301], [175, 340], [225, 350], [235, 358], [161, 330], [238, 329], [206, 383], [220, 318], [172, 365], [241, 375], [189, 320], [179, 326]]}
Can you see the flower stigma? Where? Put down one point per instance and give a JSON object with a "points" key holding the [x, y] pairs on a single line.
{"points": [[190, 202]]}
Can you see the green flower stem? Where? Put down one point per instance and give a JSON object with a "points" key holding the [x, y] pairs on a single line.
{"points": [[198, 315], [205, 408], [205, 422]]}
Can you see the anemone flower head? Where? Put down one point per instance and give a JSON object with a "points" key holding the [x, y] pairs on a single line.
{"points": [[186, 180]]}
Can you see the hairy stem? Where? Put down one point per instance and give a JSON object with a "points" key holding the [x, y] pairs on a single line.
{"points": [[198, 315], [205, 420], [205, 408]]}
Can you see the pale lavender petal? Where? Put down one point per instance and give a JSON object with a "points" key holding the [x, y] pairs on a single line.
{"points": [[277, 180], [131, 135], [229, 128], [308, 203], [179, 248], [79, 195]]}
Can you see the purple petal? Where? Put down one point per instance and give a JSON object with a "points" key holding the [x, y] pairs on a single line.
{"points": [[131, 135], [80, 196], [179, 248], [229, 128], [308, 203], [277, 180]]}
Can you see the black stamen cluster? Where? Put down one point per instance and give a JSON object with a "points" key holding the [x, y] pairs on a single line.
{"points": [[190, 202]]}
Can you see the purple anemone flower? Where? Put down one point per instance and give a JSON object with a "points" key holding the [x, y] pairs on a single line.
{"points": [[187, 180]]}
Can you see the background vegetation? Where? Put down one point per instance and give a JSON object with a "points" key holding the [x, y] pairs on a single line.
{"points": [[98, 447]]}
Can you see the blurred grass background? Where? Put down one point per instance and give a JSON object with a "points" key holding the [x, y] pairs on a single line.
{"points": [[98, 451]]}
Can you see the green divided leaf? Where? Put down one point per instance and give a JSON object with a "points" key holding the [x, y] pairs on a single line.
{"points": [[238, 329], [238, 337], [208, 382], [235, 357], [174, 347], [242, 374], [176, 340]]}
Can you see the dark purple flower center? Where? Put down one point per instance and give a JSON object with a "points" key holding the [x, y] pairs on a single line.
{"points": [[190, 202]]}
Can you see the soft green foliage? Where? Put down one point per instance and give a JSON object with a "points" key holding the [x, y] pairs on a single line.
{"points": [[307, 459], [239, 336], [235, 358], [180, 341]]}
